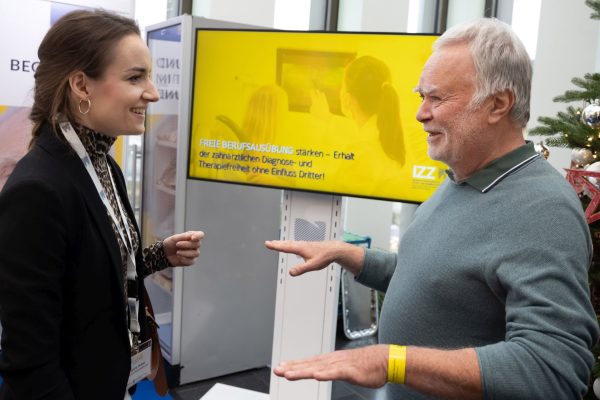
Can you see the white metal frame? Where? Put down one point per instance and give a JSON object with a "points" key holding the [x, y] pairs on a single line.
{"points": [[306, 306]]}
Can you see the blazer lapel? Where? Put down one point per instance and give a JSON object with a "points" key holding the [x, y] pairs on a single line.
{"points": [[81, 179], [122, 192]]}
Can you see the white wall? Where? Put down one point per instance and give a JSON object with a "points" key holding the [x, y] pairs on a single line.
{"points": [[463, 11], [567, 48], [120, 6], [255, 12], [278, 14], [373, 15], [146, 16]]}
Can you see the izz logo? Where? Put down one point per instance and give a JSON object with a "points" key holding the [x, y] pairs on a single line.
{"points": [[424, 172]]}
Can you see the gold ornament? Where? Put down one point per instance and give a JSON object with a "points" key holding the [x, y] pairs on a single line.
{"points": [[581, 158], [541, 149]]}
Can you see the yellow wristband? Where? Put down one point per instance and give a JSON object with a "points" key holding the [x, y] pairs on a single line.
{"points": [[397, 364]]}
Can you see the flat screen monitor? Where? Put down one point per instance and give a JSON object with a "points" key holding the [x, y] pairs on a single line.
{"points": [[314, 111]]}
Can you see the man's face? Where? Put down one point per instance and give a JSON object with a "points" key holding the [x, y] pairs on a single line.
{"points": [[446, 86]]}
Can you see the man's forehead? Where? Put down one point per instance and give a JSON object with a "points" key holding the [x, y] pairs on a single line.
{"points": [[447, 64]]}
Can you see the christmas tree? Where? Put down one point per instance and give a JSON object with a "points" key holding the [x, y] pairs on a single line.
{"points": [[578, 128], [569, 129]]}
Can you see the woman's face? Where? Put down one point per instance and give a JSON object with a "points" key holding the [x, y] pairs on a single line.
{"points": [[120, 97]]}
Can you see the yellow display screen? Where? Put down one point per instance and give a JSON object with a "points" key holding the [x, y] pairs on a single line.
{"points": [[315, 111]]}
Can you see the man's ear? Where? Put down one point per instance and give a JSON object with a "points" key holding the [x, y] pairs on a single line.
{"points": [[79, 82], [502, 104]]}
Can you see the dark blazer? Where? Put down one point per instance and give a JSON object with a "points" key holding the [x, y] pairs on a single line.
{"points": [[62, 306]]}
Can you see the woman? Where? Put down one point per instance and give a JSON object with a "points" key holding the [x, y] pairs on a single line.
{"points": [[375, 143], [71, 267], [369, 98], [265, 115]]}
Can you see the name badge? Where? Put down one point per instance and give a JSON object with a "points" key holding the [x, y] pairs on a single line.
{"points": [[140, 363]]}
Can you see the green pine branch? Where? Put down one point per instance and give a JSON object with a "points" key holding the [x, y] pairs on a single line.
{"points": [[594, 5], [590, 84], [567, 130]]}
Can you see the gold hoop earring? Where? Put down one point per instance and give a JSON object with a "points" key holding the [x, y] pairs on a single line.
{"points": [[89, 106]]}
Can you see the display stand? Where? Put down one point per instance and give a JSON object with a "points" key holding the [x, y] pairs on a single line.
{"points": [[306, 306], [225, 392], [216, 317]]}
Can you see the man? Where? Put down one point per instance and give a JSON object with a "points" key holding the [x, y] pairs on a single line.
{"points": [[488, 295]]}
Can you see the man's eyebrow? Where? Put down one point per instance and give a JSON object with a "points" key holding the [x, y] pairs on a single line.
{"points": [[424, 91]]}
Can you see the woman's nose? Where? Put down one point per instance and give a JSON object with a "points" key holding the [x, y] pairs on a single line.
{"points": [[151, 93]]}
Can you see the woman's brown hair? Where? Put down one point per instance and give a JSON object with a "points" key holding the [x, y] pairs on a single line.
{"points": [[368, 80], [79, 41]]}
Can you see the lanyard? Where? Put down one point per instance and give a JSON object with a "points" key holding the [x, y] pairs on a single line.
{"points": [[75, 142]]}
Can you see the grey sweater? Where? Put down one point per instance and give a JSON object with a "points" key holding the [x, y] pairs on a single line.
{"points": [[502, 269]]}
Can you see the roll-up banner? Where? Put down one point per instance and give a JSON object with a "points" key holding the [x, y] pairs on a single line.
{"points": [[23, 25]]}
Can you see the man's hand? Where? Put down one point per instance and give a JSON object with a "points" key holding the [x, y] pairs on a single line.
{"points": [[365, 366], [316, 255], [182, 249]]}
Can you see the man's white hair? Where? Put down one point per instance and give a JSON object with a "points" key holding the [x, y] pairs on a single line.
{"points": [[501, 62]]}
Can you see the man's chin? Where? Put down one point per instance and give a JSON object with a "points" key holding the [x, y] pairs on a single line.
{"points": [[433, 151]]}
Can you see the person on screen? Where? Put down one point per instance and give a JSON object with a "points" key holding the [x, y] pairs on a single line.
{"points": [[376, 143], [369, 98], [264, 124], [265, 115], [71, 265], [486, 298]]}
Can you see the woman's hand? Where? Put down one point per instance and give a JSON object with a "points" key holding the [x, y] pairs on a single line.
{"points": [[182, 249], [319, 106]]}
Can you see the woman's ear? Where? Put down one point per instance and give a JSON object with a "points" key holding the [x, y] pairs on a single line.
{"points": [[78, 82], [502, 104]]}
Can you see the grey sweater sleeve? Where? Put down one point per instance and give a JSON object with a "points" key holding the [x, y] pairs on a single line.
{"points": [[550, 325], [378, 268]]}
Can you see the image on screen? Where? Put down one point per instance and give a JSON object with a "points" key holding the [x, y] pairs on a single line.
{"points": [[315, 111], [301, 71]]}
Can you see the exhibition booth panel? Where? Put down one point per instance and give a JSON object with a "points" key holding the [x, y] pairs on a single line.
{"points": [[215, 317], [244, 113]]}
